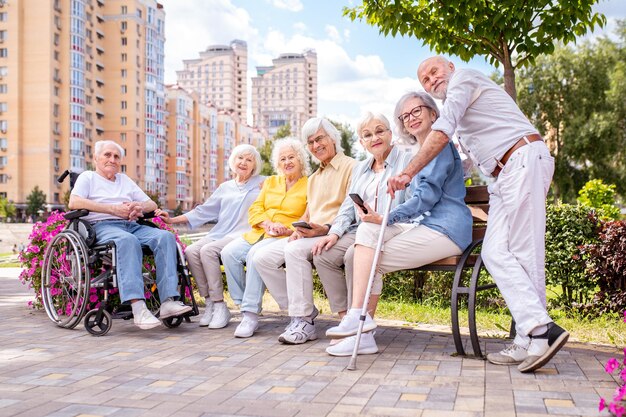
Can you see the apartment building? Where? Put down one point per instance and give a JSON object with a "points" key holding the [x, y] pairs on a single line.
{"points": [[73, 72], [285, 92], [219, 77]]}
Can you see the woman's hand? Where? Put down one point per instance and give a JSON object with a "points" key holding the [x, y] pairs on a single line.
{"points": [[370, 217], [164, 215], [324, 244]]}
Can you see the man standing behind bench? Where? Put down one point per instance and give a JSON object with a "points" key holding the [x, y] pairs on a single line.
{"points": [[503, 144]]}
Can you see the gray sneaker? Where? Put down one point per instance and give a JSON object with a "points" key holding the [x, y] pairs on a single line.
{"points": [[510, 355]]}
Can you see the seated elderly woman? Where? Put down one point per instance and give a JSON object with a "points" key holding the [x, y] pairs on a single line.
{"points": [[369, 181], [115, 203], [433, 224], [281, 202], [228, 206]]}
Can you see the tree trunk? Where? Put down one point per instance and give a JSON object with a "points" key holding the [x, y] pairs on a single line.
{"points": [[509, 79]]}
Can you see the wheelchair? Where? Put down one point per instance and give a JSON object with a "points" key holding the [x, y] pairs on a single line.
{"points": [[75, 270]]}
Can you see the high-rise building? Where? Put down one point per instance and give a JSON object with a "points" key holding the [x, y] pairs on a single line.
{"points": [[219, 76], [73, 72], [285, 93]]}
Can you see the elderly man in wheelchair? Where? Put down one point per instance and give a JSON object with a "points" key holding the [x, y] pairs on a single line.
{"points": [[115, 203]]}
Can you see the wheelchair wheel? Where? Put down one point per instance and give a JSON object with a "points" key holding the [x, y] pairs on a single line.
{"points": [[65, 279], [98, 327], [151, 293], [172, 322]]}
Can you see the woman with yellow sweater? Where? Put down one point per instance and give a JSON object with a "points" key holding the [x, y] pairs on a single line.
{"points": [[281, 202]]}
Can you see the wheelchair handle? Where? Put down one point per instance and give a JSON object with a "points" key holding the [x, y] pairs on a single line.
{"points": [[62, 177]]}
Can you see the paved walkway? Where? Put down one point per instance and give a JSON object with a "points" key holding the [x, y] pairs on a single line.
{"points": [[188, 371]]}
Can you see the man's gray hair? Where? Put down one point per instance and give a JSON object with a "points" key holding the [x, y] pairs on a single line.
{"points": [[404, 137], [298, 147], [245, 149], [99, 145], [313, 125]]}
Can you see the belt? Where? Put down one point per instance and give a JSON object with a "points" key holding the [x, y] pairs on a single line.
{"points": [[505, 158]]}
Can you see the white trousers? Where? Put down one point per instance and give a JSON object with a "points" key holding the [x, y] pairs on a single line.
{"points": [[514, 245]]}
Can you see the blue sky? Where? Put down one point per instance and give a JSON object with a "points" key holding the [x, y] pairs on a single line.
{"points": [[359, 69]]}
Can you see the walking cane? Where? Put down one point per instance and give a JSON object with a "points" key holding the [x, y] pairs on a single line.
{"points": [[379, 246]]}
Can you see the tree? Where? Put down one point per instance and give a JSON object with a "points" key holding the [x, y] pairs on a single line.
{"points": [[348, 137], [575, 98], [7, 208], [512, 33], [154, 196], [35, 201]]}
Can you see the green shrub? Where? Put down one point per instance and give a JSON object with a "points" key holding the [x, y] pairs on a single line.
{"points": [[598, 195], [568, 228]]}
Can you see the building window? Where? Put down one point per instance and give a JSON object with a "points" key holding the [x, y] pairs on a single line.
{"points": [[3, 106], [123, 25], [124, 10], [124, 57], [4, 52], [3, 161], [3, 17], [123, 121], [124, 41], [124, 89], [3, 88], [124, 105], [3, 144], [124, 73]]}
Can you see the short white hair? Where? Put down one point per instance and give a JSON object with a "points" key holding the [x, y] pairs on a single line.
{"points": [[313, 125], [99, 145], [245, 149], [298, 147]]}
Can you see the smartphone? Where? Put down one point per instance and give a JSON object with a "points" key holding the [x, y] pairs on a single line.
{"points": [[358, 201], [304, 225]]}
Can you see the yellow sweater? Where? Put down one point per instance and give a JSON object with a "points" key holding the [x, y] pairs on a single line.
{"points": [[276, 205]]}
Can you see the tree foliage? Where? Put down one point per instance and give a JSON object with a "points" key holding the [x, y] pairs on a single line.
{"points": [[575, 98], [512, 33], [348, 137], [7, 208], [598, 195], [35, 201]]}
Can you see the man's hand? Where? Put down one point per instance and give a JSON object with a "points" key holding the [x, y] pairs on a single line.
{"points": [[135, 210], [316, 230], [399, 182], [324, 244], [371, 216], [295, 236]]}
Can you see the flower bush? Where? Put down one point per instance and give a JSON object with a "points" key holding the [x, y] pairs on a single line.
{"points": [[616, 406], [33, 256]]}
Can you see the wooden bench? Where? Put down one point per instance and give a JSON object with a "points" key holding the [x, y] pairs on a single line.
{"points": [[468, 263]]}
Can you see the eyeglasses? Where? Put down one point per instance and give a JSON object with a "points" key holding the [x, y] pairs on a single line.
{"points": [[415, 112], [316, 140], [368, 137]]}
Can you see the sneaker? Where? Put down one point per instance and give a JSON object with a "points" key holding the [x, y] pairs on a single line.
{"points": [[248, 326], [543, 347], [300, 332], [145, 319], [367, 346], [221, 316], [510, 355], [208, 314], [173, 308], [350, 324]]}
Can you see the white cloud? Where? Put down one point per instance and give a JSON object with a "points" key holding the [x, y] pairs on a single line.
{"points": [[291, 5], [332, 33], [300, 27]]}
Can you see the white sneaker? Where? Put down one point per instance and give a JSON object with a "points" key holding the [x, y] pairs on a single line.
{"points": [[145, 319], [248, 326], [172, 308], [350, 324], [510, 355], [300, 332], [367, 346], [208, 314], [221, 316], [543, 347]]}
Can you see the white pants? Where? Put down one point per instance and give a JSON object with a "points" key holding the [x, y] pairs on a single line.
{"points": [[514, 245]]}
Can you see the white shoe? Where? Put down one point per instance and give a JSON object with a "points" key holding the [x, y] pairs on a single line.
{"points": [[367, 346], [221, 316], [172, 308], [145, 319], [510, 355], [543, 347], [208, 314], [248, 325], [301, 331], [350, 324]]}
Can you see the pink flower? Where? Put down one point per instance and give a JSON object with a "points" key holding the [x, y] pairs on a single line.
{"points": [[602, 404], [619, 393], [611, 365], [625, 317]]}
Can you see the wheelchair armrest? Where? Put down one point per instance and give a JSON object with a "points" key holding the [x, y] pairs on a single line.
{"points": [[149, 215], [76, 214]]}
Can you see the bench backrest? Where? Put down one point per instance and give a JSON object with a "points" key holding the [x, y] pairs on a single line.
{"points": [[477, 199]]}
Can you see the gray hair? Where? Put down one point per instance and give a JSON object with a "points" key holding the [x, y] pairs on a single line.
{"points": [[404, 136], [99, 145], [313, 125], [369, 116], [298, 147], [245, 149]]}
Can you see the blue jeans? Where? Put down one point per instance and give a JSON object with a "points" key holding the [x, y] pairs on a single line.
{"points": [[245, 288], [128, 237]]}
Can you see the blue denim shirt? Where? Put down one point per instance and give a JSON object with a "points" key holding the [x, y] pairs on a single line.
{"points": [[347, 218], [439, 196]]}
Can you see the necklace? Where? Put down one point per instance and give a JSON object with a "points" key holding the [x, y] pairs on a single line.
{"points": [[241, 186]]}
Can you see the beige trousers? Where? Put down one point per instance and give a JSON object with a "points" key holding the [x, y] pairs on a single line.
{"points": [[203, 258], [330, 268]]}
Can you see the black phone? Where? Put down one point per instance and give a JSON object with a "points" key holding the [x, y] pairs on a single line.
{"points": [[358, 201], [304, 225]]}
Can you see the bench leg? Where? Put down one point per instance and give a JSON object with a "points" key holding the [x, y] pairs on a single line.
{"points": [[454, 311], [471, 307]]}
